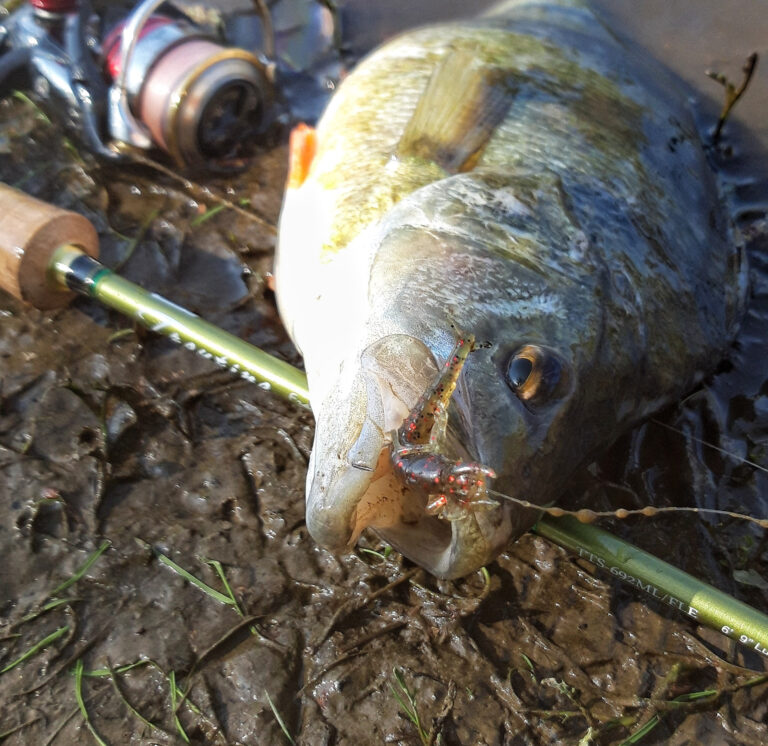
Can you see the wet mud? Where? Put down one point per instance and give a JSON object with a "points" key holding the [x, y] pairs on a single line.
{"points": [[127, 456]]}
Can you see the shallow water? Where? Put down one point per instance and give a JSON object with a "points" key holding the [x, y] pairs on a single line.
{"points": [[132, 440]]}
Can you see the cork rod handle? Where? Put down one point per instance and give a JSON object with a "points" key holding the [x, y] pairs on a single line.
{"points": [[30, 232]]}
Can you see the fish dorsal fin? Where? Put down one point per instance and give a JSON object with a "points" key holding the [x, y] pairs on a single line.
{"points": [[461, 106]]}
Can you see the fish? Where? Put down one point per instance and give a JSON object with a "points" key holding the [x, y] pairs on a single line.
{"points": [[504, 234]]}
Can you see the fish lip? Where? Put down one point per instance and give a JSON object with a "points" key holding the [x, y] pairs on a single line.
{"points": [[372, 396], [332, 523], [342, 463]]}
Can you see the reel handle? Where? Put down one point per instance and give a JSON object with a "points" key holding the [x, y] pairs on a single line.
{"points": [[30, 233]]}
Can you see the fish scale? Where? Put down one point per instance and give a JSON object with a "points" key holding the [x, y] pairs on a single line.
{"points": [[524, 178]]}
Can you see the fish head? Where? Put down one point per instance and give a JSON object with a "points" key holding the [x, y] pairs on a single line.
{"points": [[531, 401], [352, 484]]}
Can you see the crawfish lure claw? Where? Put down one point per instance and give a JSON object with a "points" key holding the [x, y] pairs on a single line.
{"points": [[454, 488]]}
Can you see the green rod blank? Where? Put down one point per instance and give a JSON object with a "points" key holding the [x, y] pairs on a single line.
{"points": [[698, 600], [72, 268]]}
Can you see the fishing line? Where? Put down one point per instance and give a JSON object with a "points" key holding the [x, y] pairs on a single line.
{"points": [[734, 456], [585, 515], [200, 192]]}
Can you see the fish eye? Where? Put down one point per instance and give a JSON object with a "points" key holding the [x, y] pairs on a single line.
{"points": [[519, 371], [536, 374]]}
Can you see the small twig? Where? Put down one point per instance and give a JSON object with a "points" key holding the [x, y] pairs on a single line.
{"points": [[713, 658], [269, 32], [351, 651], [61, 726], [439, 720], [20, 726], [355, 604], [205, 657], [689, 702], [119, 690], [732, 93], [199, 191]]}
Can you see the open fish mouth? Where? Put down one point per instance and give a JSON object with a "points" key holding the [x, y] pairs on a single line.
{"points": [[402, 472], [434, 509]]}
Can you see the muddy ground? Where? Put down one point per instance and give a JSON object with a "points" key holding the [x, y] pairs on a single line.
{"points": [[112, 438]]}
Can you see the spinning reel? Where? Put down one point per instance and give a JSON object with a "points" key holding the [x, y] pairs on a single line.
{"points": [[154, 80]]}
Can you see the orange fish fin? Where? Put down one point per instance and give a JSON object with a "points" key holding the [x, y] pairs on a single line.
{"points": [[301, 152]]}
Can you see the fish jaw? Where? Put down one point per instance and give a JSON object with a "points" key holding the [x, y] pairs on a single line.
{"points": [[452, 549]]}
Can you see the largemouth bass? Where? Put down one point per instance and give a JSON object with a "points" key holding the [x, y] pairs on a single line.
{"points": [[525, 181]]}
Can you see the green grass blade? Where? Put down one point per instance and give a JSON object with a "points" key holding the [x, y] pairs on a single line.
{"points": [[642, 732], [120, 334], [411, 699], [529, 663], [207, 215], [278, 717], [409, 708], [134, 242], [81, 702], [403, 705], [175, 691], [212, 592], [39, 113], [216, 565], [84, 569], [372, 552], [692, 696], [47, 607], [37, 646]]}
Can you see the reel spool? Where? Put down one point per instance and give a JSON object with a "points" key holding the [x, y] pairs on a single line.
{"points": [[183, 92]]}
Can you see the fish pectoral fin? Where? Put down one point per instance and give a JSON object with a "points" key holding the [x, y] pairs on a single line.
{"points": [[463, 103], [301, 153]]}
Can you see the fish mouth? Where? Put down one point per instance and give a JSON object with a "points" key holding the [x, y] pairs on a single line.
{"points": [[357, 487], [447, 547]]}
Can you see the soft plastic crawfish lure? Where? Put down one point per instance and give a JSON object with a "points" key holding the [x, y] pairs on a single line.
{"points": [[453, 488]]}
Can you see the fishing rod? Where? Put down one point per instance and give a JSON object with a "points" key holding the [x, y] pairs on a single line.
{"points": [[47, 255]]}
